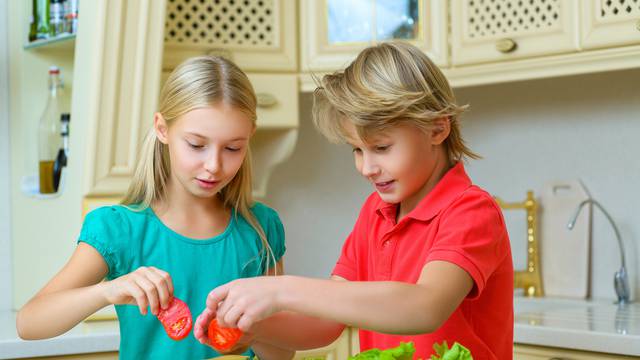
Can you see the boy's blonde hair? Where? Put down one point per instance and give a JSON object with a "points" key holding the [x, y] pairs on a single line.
{"points": [[386, 85], [199, 82]]}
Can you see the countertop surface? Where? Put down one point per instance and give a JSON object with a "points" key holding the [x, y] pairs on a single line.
{"points": [[86, 337], [594, 325]]}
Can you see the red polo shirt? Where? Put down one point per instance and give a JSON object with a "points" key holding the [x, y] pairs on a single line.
{"points": [[456, 222]]}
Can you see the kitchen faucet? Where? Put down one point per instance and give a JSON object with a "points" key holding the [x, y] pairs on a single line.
{"points": [[620, 278]]}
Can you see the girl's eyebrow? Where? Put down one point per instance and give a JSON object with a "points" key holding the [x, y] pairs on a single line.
{"points": [[206, 138]]}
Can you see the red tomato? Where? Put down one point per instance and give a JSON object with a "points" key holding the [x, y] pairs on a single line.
{"points": [[176, 319], [222, 339]]}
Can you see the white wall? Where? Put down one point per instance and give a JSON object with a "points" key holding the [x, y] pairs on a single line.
{"points": [[530, 132], [5, 203]]}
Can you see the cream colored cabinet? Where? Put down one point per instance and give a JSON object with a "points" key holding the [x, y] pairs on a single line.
{"points": [[258, 35], [118, 52], [528, 352], [488, 31], [607, 23], [333, 32], [338, 350]]}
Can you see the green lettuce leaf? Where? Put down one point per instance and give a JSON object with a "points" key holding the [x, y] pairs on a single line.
{"points": [[404, 351], [457, 352]]}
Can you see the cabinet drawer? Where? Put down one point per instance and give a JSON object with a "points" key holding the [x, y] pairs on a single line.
{"points": [[488, 31]]}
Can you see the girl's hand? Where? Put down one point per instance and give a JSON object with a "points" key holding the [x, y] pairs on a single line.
{"points": [[243, 302], [146, 286]]}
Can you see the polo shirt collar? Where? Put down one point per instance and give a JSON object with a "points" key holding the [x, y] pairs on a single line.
{"points": [[452, 184]]}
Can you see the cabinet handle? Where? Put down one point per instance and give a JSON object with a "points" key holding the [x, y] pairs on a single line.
{"points": [[506, 45], [266, 100]]}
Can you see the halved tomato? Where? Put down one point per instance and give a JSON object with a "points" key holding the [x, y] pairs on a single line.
{"points": [[222, 339], [176, 319]]}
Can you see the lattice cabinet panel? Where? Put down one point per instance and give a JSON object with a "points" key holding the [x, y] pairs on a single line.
{"points": [[495, 30], [608, 23], [256, 34]]}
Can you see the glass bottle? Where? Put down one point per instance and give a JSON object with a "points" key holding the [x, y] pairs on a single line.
{"points": [[49, 129], [42, 18], [56, 18]]}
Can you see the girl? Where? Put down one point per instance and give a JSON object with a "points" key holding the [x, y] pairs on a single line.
{"points": [[186, 223], [428, 259]]}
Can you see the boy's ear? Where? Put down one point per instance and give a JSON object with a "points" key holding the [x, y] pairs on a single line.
{"points": [[160, 125], [440, 130]]}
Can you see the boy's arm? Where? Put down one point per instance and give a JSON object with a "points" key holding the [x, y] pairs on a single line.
{"points": [[67, 299], [387, 307]]}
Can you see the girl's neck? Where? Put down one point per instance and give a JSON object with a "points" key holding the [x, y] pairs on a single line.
{"points": [[191, 216]]}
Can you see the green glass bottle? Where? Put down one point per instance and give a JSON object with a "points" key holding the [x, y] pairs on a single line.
{"points": [[42, 19]]}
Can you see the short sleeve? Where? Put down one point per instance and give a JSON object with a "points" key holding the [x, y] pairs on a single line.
{"points": [[357, 241], [275, 234], [273, 228], [106, 230], [472, 235]]}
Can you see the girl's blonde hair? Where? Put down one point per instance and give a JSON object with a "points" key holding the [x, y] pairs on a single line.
{"points": [[388, 84], [199, 82]]}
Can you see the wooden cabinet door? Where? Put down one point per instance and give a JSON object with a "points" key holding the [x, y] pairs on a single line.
{"points": [[119, 50], [258, 35], [497, 30], [608, 23], [333, 32]]}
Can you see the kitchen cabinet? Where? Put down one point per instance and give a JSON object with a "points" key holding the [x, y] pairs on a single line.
{"points": [[487, 31], [528, 352], [607, 23], [333, 32], [258, 35]]}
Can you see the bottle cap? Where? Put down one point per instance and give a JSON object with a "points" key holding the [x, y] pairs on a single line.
{"points": [[54, 70], [65, 117]]}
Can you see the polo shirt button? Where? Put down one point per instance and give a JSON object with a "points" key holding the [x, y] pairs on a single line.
{"points": [[386, 243]]}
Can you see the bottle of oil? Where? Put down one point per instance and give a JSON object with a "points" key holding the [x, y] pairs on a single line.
{"points": [[49, 139]]}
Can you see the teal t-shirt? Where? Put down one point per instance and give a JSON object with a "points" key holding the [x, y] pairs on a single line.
{"points": [[128, 239]]}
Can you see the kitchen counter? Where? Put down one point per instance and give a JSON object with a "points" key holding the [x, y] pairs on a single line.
{"points": [[598, 326], [595, 325], [86, 337]]}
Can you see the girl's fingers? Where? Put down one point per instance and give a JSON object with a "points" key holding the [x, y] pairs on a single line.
{"points": [[161, 281], [138, 295], [150, 290]]}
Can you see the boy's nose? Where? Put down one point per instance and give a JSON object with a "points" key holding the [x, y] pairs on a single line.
{"points": [[368, 168]]}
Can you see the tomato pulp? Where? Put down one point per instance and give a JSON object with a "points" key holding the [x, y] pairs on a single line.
{"points": [[176, 319], [222, 339]]}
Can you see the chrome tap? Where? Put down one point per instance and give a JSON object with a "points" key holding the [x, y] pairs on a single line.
{"points": [[620, 278]]}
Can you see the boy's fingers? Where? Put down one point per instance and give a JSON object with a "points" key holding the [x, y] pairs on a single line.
{"points": [[216, 296]]}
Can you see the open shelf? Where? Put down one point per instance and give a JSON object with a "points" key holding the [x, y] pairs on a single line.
{"points": [[62, 42]]}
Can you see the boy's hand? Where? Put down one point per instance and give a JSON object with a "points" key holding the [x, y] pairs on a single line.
{"points": [[200, 332], [146, 286], [243, 302]]}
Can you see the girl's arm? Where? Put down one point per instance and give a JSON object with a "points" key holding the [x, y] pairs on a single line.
{"points": [[387, 307], [77, 292]]}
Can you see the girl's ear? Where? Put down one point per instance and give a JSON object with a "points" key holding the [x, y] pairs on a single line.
{"points": [[160, 125], [440, 130]]}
